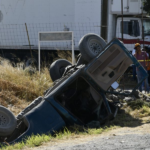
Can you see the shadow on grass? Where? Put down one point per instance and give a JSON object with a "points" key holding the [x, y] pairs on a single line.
{"points": [[125, 119]]}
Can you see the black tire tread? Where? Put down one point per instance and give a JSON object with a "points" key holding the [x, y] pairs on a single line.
{"points": [[7, 130], [55, 68], [87, 54]]}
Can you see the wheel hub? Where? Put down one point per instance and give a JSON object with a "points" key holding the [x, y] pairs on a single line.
{"points": [[95, 46], [3, 120]]}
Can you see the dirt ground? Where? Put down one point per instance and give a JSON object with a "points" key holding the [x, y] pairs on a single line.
{"points": [[122, 138]]}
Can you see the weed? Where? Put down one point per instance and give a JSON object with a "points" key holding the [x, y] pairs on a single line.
{"points": [[138, 104], [37, 140], [18, 88]]}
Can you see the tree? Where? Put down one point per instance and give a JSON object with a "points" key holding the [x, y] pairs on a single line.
{"points": [[147, 6]]}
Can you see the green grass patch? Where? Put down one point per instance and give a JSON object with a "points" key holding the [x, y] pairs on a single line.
{"points": [[138, 104], [138, 108], [73, 132]]}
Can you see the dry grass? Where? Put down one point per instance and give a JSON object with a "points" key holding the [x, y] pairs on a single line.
{"points": [[138, 109], [65, 55], [18, 88]]}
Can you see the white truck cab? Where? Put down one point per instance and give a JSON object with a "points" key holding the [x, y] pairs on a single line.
{"points": [[132, 31]]}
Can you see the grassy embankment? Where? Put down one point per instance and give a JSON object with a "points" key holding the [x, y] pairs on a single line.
{"points": [[18, 89]]}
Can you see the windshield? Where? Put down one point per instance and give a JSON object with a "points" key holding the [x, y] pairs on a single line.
{"points": [[146, 24]]}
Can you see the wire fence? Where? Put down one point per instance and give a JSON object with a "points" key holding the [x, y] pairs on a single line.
{"points": [[14, 36]]}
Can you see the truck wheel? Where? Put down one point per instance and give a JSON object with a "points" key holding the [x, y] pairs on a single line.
{"points": [[90, 46], [8, 122], [57, 68]]}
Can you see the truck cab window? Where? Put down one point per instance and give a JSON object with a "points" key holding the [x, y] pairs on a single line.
{"points": [[146, 24], [130, 27]]}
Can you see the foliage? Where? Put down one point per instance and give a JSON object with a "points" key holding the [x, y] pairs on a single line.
{"points": [[72, 133], [147, 6]]}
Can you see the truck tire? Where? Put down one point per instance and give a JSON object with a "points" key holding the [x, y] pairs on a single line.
{"points": [[57, 68], [8, 122], [90, 46]]}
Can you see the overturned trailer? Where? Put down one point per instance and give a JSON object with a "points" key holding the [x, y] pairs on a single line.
{"points": [[78, 96]]}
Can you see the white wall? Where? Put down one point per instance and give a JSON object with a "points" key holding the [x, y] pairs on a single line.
{"points": [[87, 11], [111, 32], [37, 11], [87, 17], [80, 16]]}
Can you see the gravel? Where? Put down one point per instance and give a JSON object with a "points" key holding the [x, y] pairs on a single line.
{"points": [[120, 142]]}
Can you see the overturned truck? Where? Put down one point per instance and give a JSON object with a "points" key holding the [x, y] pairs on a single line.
{"points": [[78, 95]]}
